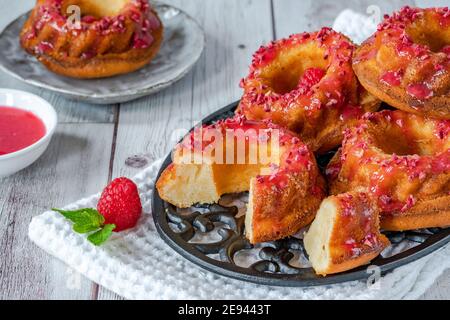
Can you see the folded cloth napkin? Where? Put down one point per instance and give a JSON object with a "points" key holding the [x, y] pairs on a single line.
{"points": [[137, 264], [357, 26]]}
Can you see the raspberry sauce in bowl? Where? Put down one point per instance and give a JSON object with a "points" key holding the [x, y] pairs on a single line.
{"points": [[27, 124], [19, 129]]}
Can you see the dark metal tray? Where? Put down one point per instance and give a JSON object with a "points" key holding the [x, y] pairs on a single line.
{"points": [[274, 266]]}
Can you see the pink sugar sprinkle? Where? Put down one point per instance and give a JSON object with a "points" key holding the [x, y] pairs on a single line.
{"points": [[419, 91]]}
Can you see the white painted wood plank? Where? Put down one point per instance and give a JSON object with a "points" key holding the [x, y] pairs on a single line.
{"points": [[432, 3], [440, 290], [234, 30], [15, 9], [75, 165], [293, 16], [68, 111]]}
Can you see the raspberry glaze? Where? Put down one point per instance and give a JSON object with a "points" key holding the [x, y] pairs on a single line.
{"points": [[358, 227], [406, 62], [398, 158], [18, 129], [50, 13], [318, 100], [102, 44]]}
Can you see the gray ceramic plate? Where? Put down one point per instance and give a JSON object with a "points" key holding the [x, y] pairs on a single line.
{"points": [[183, 45]]}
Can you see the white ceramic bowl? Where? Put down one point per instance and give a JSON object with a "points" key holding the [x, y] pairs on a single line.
{"points": [[13, 162]]}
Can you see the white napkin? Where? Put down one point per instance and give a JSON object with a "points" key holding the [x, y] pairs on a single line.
{"points": [[137, 264], [357, 26]]}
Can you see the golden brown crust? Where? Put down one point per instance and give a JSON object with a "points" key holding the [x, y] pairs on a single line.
{"points": [[403, 161], [306, 84], [349, 264], [435, 107], [403, 223], [107, 65], [345, 234], [92, 52], [406, 62], [168, 175], [358, 221], [425, 214], [278, 215]]}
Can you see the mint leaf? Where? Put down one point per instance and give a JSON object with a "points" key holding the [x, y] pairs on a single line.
{"points": [[84, 220], [99, 237], [89, 220], [84, 228]]}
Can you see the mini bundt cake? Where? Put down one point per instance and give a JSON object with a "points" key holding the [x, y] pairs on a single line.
{"points": [[237, 155], [403, 161], [306, 83], [345, 234], [111, 37], [407, 62]]}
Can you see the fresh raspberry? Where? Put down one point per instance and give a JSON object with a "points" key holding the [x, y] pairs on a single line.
{"points": [[310, 78], [120, 204]]}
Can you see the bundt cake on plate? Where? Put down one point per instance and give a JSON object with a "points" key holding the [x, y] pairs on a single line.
{"points": [[406, 63], [237, 155], [306, 83], [92, 38]]}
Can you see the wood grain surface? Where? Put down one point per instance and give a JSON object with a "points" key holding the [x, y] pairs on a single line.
{"points": [[95, 143]]}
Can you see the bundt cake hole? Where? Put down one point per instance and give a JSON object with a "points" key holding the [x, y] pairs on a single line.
{"points": [[392, 140], [394, 143], [95, 8], [435, 40], [235, 177], [284, 73], [428, 32]]}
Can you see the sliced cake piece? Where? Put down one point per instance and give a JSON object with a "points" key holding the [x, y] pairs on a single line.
{"points": [[345, 234]]}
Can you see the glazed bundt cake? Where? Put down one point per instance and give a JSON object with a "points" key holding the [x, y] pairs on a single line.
{"points": [[407, 62], [237, 155], [110, 37], [403, 161], [306, 83], [345, 234]]}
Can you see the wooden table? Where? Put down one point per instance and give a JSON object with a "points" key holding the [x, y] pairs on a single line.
{"points": [[95, 143]]}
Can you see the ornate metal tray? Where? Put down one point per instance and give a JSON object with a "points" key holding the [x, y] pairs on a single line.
{"points": [[212, 236]]}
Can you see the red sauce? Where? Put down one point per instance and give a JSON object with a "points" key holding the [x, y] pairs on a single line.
{"points": [[18, 129]]}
